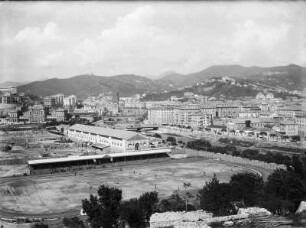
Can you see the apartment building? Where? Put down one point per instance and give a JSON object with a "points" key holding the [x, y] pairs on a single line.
{"points": [[289, 128], [70, 100]]}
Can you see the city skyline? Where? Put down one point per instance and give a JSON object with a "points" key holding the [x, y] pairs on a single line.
{"points": [[57, 39]]}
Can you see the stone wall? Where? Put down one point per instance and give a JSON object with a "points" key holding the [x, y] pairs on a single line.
{"points": [[13, 161]]}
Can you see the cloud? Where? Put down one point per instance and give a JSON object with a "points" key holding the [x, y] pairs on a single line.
{"points": [[133, 37], [147, 38], [38, 35], [259, 43], [51, 59]]}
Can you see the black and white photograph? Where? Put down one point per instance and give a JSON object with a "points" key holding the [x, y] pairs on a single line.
{"points": [[152, 114]]}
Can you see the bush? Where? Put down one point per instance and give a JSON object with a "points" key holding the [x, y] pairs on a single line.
{"points": [[157, 136], [172, 140], [199, 145], [74, 222]]}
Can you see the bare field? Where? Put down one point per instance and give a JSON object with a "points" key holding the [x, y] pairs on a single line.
{"points": [[10, 170], [57, 194]]}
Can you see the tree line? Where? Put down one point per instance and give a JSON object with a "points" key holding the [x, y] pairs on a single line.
{"points": [[251, 154]]}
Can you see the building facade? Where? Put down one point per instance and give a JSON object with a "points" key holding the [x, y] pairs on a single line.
{"points": [[289, 128], [117, 140]]}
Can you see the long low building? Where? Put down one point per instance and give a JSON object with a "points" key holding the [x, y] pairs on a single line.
{"points": [[76, 163], [117, 140]]}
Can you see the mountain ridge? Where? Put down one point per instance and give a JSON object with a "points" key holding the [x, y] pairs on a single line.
{"points": [[290, 77]]}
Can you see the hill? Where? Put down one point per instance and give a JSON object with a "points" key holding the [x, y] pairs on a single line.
{"points": [[91, 85], [221, 87], [10, 84], [291, 77]]}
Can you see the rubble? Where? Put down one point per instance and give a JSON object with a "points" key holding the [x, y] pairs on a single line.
{"points": [[301, 208], [253, 211]]}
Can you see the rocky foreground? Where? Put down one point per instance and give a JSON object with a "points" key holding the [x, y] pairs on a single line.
{"points": [[246, 217]]}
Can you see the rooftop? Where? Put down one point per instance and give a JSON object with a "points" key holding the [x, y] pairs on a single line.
{"points": [[121, 134], [91, 157]]}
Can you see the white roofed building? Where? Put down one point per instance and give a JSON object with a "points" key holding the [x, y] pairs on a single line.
{"points": [[117, 140]]}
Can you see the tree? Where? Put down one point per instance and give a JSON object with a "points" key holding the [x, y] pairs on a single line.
{"points": [[284, 191], [74, 222], [172, 140], [132, 212], [40, 225], [214, 197], [199, 145], [157, 135], [249, 153], [173, 203], [236, 153], [148, 202], [298, 166], [246, 187], [103, 210]]}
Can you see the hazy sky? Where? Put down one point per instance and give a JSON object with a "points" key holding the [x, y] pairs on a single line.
{"points": [[58, 39]]}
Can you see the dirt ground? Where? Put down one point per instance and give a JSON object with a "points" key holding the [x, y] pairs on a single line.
{"points": [[10, 170], [58, 193]]}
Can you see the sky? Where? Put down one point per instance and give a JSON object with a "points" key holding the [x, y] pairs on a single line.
{"points": [[41, 40]]}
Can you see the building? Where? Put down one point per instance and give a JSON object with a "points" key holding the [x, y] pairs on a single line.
{"points": [[35, 114], [209, 111], [248, 114], [187, 116], [289, 111], [70, 100], [77, 163], [227, 111], [118, 140], [260, 96], [58, 99], [161, 115], [8, 90], [58, 115], [268, 96], [289, 128], [49, 101], [199, 121], [14, 116], [301, 122]]}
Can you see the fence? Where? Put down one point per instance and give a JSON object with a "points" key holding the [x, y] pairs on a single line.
{"points": [[230, 158]]}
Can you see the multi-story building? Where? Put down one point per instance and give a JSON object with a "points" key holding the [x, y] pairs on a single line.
{"points": [[134, 111], [70, 100], [227, 111], [301, 121], [35, 114], [13, 116], [260, 96], [199, 120], [268, 96], [184, 115], [288, 112], [58, 115], [289, 128], [49, 101], [209, 111], [161, 115], [58, 99], [8, 90], [248, 114]]}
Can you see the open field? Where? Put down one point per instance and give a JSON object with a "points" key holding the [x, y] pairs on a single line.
{"points": [[53, 194]]}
